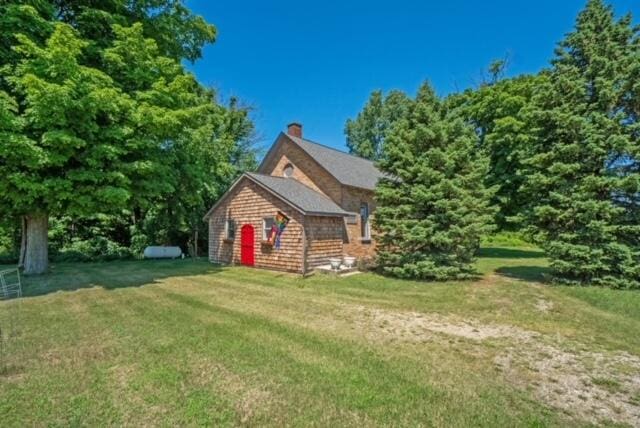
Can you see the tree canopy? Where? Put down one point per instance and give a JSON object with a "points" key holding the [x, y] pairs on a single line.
{"points": [[500, 112], [367, 133], [99, 117], [433, 207], [563, 153], [583, 183]]}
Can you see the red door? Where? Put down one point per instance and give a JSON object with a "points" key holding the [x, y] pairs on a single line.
{"points": [[246, 245]]}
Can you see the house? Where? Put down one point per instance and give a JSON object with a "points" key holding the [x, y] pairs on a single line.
{"points": [[306, 204]]}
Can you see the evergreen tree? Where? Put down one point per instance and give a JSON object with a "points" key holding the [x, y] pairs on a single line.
{"points": [[367, 133], [433, 206], [584, 180]]}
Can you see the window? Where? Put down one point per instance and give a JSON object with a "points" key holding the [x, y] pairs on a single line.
{"points": [[230, 229], [267, 225], [288, 170], [365, 229]]}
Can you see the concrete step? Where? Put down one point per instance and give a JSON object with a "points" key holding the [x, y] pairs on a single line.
{"points": [[328, 270]]}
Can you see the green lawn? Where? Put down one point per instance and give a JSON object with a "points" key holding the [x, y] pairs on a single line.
{"points": [[188, 343]]}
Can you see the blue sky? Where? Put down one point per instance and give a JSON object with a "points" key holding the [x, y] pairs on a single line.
{"points": [[317, 62]]}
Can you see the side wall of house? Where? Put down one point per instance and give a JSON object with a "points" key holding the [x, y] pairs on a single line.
{"points": [[305, 170], [324, 239], [248, 203], [354, 245]]}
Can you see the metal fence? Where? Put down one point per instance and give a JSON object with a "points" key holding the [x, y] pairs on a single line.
{"points": [[10, 284], [10, 302]]}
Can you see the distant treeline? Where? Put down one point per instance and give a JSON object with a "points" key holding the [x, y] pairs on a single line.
{"points": [[555, 155]]}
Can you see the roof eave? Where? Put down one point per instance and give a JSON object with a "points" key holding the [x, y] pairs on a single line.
{"points": [[294, 205], [359, 187], [277, 195], [327, 214], [271, 150]]}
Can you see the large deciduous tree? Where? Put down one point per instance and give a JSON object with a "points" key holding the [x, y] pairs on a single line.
{"points": [[584, 179], [97, 113], [97, 139], [201, 169], [433, 206], [178, 33], [500, 113], [366, 133]]}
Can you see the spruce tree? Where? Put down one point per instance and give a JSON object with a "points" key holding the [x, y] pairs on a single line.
{"points": [[433, 206], [583, 181]]}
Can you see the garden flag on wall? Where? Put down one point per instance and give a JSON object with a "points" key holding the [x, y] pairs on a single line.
{"points": [[278, 227]]}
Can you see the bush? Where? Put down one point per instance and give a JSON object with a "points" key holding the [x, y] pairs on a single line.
{"points": [[366, 264], [8, 258], [98, 248]]}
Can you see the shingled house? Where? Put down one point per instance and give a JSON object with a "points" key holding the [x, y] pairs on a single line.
{"points": [[307, 203]]}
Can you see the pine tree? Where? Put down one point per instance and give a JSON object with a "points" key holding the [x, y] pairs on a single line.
{"points": [[584, 180], [433, 206]]}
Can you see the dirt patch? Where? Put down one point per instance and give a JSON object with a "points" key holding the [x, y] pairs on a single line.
{"points": [[489, 280], [419, 327], [251, 400], [543, 305], [591, 386]]}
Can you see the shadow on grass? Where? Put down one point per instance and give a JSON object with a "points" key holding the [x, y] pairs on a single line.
{"points": [[525, 273], [111, 275], [509, 253]]}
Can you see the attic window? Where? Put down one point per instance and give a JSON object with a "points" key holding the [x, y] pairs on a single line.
{"points": [[288, 170]]}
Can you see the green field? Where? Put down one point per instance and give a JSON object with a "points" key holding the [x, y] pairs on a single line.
{"points": [[189, 343]]}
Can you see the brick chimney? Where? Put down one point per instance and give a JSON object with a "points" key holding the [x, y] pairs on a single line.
{"points": [[295, 129]]}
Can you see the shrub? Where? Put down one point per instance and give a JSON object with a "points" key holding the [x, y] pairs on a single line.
{"points": [[8, 258], [98, 248]]}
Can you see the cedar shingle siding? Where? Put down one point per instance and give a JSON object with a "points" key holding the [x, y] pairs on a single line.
{"points": [[324, 240], [317, 196], [249, 204]]}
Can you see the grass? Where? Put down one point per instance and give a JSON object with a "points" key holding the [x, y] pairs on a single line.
{"points": [[609, 384], [189, 343]]}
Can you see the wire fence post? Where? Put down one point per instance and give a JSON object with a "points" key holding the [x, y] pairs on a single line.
{"points": [[10, 308]]}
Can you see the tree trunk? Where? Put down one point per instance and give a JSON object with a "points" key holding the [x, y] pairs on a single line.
{"points": [[36, 260], [23, 240]]}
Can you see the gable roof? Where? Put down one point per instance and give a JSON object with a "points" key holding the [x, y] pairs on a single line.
{"points": [[348, 169], [291, 191]]}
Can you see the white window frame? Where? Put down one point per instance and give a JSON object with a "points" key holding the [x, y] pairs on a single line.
{"points": [[265, 233], [365, 223]]}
